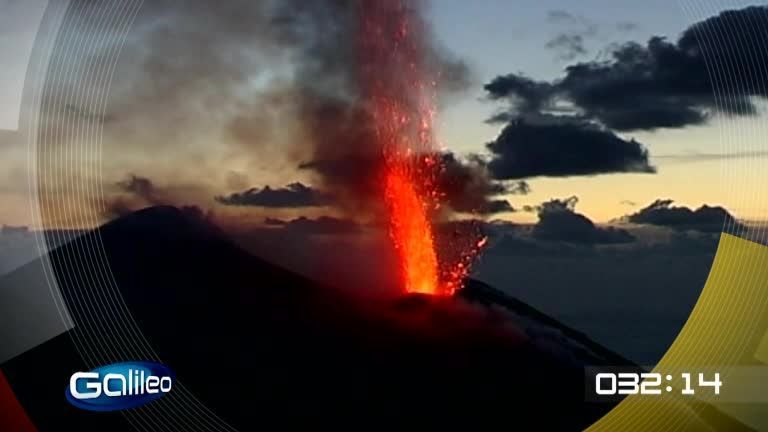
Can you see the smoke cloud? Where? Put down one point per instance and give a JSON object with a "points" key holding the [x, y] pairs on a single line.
{"points": [[291, 196], [274, 86]]}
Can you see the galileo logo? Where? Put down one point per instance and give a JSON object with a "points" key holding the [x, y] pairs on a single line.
{"points": [[119, 386]]}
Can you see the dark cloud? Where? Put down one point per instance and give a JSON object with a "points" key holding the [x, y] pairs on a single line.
{"points": [[706, 218], [468, 187], [291, 196], [142, 187], [660, 84], [526, 149], [519, 242], [570, 43], [342, 164], [322, 225], [567, 45], [134, 192], [495, 206], [643, 87], [528, 95], [465, 182], [558, 221], [520, 187], [137, 192]]}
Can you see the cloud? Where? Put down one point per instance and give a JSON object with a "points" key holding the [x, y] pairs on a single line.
{"points": [[557, 148], [495, 206], [137, 191], [647, 245], [528, 95], [567, 45], [660, 84], [140, 186], [558, 221], [319, 226], [706, 218], [465, 182], [133, 193], [291, 196], [468, 188]]}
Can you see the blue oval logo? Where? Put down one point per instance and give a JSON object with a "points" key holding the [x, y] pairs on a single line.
{"points": [[119, 386]]}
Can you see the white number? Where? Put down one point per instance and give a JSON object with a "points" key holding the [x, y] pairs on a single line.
{"points": [[716, 383], [687, 390], [629, 387], [598, 380], [654, 381]]}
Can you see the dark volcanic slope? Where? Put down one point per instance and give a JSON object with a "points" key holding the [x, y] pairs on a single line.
{"points": [[258, 344]]}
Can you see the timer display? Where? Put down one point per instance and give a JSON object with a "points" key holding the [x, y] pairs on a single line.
{"points": [[651, 383]]}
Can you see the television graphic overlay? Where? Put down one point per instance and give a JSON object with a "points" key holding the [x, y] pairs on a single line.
{"points": [[344, 213], [119, 386]]}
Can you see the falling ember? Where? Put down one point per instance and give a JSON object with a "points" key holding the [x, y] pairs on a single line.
{"points": [[400, 92]]}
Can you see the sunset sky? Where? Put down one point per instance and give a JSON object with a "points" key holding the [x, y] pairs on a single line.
{"points": [[720, 162], [513, 39]]}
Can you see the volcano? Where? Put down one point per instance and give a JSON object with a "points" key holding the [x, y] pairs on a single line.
{"points": [[257, 343]]}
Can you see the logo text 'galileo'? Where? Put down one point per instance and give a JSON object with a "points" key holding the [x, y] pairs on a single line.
{"points": [[119, 386]]}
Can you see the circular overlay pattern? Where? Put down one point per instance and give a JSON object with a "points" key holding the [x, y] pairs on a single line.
{"points": [[726, 331]]}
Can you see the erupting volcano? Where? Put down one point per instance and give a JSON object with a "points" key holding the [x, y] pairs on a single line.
{"points": [[400, 90]]}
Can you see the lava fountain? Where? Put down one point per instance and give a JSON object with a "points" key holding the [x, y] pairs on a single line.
{"points": [[400, 95], [411, 230], [400, 91]]}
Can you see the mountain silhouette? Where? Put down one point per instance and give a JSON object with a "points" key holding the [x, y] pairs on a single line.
{"points": [[258, 344]]}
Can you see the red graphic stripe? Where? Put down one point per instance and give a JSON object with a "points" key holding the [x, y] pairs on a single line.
{"points": [[12, 414]]}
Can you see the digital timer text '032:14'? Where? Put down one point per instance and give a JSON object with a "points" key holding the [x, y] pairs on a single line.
{"points": [[652, 383]]}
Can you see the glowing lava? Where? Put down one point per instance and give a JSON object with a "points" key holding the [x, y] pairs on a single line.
{"points": [[400, 92], [411, 231]]}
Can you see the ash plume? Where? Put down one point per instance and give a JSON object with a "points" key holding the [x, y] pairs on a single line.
{"points": [[276, 82]]}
